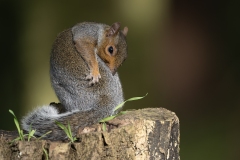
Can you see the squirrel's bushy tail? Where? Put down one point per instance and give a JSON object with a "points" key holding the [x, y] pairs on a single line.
{"points": [[43, 119]]}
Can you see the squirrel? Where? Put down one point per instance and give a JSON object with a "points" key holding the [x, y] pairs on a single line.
{"points": [[83, 71]]}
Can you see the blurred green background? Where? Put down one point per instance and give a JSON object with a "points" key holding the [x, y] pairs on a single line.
{"points": [[185, 54]]}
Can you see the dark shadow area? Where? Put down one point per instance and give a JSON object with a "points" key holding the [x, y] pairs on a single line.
{"points": [[199, 74], [11, 74]]}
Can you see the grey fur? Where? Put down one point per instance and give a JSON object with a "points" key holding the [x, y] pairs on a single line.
{"points": [[85, 104]]}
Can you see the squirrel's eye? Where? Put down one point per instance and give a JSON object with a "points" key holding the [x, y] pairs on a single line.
{"points": [[110, 49]]}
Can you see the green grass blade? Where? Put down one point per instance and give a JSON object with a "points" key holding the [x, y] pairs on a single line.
{"points": [[44, 135], [15, 120], [120, 105], [69, 130], [122, 112], [107, 118], [60, 125], [64, 128], [20, 132], [11, 112], [130, 99], [18, 138], [74, 139], [31, 133], [104, 126], [17, 125], [70, 133], [45, 152]]}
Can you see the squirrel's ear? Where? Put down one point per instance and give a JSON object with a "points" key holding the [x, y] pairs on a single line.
{"points": [[114, 29], [125, 31]]}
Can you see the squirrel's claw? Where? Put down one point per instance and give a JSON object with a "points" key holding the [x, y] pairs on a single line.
{"points": [[93, 78]]}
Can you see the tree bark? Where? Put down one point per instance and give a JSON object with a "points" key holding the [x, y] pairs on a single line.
{"points": [[145, 134]]}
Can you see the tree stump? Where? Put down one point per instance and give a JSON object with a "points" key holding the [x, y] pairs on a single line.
{"points": [[145, 134]]}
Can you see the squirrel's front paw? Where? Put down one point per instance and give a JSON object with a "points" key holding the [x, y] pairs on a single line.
{"points": [[94, 78]]}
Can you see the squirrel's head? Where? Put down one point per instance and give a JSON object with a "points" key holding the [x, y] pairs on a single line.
{"points": [[113, 48]]}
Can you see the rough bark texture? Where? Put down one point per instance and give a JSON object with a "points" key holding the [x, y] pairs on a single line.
{"points": [[146, 134]]}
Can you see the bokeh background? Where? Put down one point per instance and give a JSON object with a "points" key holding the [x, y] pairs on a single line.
{"points": [[185, 54]]}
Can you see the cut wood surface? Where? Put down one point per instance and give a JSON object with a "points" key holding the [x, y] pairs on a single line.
{"points": [[145, 134]]}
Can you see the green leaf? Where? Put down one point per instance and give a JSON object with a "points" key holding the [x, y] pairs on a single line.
{"points": [[17, 125], [63, 128], [68, 130], [12, 112], [44, 135], [130, 99], [122, 112], [74, 139], [31, 133], [60, 125], [104, 126], [119, 106], [70, 133], [107, 118], [20, 132], [18, 138], [21, 135], [45, 152]]}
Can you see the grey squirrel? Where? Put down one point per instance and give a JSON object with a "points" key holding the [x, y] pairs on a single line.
{"points": [[83, 64]]}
